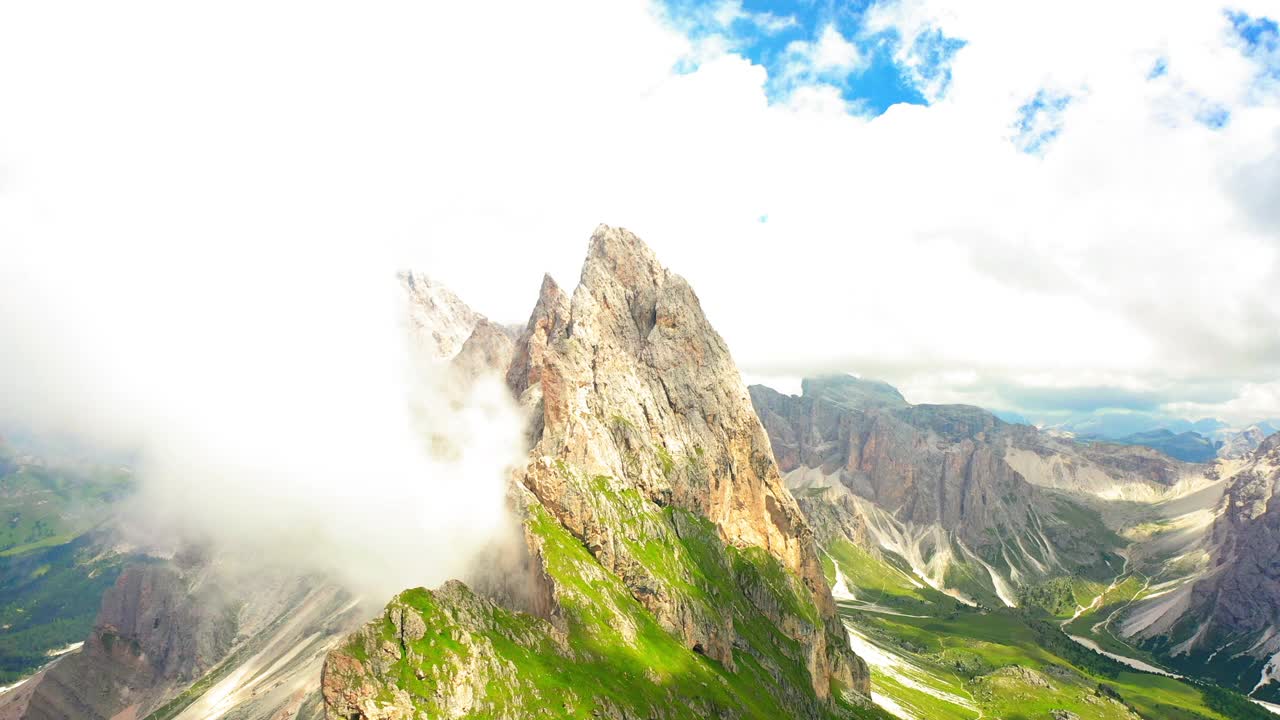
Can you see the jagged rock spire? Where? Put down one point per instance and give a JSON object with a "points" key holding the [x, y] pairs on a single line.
{"points": [[634, 386]]}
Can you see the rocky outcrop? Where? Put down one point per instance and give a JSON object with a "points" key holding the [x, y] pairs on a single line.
{"points": [[486, 351], [639, 390], [650, 499], [405, 640], [184, 639], [1245, 594], [924, 464], [1234, 444], [1098, 469], [1233, 610], [152, 637], [438, 321], [550, 314], [524, 374], [931, 483]]}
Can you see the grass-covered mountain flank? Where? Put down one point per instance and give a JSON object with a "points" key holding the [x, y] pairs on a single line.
{"points": [[934, 658]]}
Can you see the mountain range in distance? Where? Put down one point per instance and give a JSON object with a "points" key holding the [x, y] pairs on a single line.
{"points": [[1200, 440]]}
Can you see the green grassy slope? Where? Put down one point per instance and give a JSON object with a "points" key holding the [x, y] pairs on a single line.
{"points": [[935, 658], [49, 598], [45, 505], [610, 658], [52, 571]]}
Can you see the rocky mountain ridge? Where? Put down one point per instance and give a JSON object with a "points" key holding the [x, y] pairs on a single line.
{"points": [[1188, 574], [654, 520], [1226, 619], [1199, 441], [439, 322], [975, 506], [190, 638]]}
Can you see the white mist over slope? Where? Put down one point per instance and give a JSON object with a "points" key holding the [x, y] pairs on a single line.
{"points": [[274, 405], [253, 350]]}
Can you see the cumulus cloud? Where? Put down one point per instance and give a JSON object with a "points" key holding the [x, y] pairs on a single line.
{"points": [[830, 56], [223, 153], [834, 52]]}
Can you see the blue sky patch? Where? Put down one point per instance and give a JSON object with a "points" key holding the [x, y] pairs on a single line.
{"points": [[1257, 32], [1039, 121], [932, 53], [786, 37], [1261, 36], [881, 82], [1214, 117]]}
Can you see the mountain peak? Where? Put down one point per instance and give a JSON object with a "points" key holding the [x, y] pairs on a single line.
{"points": [[439, 321], [618, 242], [1269, 445], [639, 394], [853, 392], [620, 253], [549, 313], [549, 286], [649, 499]]}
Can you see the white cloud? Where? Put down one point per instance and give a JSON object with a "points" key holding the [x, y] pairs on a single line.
{"points": [[1254, 402], [169, 172], [727, 12], [830, 55], [834, 52], [772, 23]]}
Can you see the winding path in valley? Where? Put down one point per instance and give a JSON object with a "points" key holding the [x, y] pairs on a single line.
{"points": [[1134, 663]]}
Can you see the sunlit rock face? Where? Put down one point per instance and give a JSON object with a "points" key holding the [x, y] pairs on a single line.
{"points": [[1232, 611], [976, 506], [650, 498]]}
